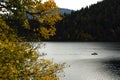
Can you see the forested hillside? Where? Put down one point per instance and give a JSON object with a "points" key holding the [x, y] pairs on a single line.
{"points": [[65, 11], [98, 22]]}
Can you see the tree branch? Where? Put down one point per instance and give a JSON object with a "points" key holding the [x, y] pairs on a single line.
{"points": [[32, 13]]}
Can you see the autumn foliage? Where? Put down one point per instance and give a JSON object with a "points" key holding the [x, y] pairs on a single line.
{"points": [[20, 60]]}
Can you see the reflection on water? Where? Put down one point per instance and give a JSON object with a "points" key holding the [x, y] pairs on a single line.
{"points": [[113, 65], [84, 66]]}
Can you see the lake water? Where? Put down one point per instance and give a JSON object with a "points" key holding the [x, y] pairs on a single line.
{"points": [[83, 65]]}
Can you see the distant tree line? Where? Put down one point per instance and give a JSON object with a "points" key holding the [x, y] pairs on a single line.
{"points": [[98, 22]]}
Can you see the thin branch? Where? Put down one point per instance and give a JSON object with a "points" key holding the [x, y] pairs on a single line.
{"points": [[32, 13]]}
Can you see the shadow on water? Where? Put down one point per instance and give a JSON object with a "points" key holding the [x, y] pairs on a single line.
{"points": [[113, 65]]}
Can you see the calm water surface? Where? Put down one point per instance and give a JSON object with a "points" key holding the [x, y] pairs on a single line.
{"points": [[83, 65]]}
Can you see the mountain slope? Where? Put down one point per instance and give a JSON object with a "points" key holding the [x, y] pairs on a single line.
{"points": [[66, 11], [98, 22], [62, 11]]}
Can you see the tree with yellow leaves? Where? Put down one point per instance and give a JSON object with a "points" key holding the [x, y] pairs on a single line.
{"points": [[21, 61]]}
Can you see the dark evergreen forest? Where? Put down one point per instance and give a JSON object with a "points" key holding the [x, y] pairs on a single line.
{"points": [[97, 22]]}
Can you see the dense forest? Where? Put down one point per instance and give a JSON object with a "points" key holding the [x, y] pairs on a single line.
{"points": [[97, 22]]}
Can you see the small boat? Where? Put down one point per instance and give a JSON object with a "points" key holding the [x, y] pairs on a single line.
{"points": [[94, 53]]}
